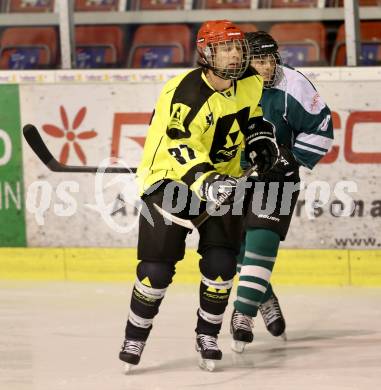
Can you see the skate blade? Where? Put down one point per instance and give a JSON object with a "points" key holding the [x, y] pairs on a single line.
{"points": [[207, 364], [128, 368], [238, 346], [283, 336]]}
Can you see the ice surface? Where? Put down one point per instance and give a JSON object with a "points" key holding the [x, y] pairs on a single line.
{"points": [[67, 336]]}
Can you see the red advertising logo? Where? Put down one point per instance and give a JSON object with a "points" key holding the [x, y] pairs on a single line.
{"points": [[69, 134], [351, 156], [131, 118]]}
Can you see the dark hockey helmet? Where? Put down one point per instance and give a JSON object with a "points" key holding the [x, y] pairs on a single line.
{"points": [[264, 51], [222, 47]]}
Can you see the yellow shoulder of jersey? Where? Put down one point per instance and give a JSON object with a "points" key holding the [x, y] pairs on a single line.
{"points": [[252, 77], [250, 87], [175, 81]]}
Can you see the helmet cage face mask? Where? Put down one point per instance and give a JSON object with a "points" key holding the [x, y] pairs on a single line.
{"points": [[227, 59], [261, 66]]}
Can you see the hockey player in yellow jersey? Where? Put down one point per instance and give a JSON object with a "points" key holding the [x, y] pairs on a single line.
{"points": [[201, 121]]}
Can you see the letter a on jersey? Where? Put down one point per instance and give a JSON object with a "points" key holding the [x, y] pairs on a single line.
{"points": [[176, 128]]}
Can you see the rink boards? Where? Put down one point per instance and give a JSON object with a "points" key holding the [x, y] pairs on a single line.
{"points": [[88, 116], [107, 114], [293, 266]]}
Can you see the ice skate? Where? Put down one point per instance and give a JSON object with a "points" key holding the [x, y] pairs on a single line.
{"points": [[131, 352], [273, 317], [241, 329], [209, 351]]}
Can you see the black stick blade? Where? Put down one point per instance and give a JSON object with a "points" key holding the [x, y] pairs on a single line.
{"points": [[35, 141], [37, 144]]}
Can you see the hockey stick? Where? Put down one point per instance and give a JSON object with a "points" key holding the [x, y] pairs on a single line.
{"points": [[37, 144], [199, 220]]}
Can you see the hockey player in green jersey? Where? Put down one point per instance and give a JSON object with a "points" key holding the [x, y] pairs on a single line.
{"points": [[304, 133], [201, 121]]}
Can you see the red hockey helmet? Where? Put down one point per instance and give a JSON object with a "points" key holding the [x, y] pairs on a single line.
{"points": [[222, 47]]}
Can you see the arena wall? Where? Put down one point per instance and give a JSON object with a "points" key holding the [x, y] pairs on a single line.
{"points": [[92, 117]]}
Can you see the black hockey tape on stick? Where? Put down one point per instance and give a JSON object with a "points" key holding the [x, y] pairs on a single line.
{"points": [[33, 137]]}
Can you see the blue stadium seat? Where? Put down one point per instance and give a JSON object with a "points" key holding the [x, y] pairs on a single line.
{"points": [[96, 5], [99, 46], [30, 6], [28, 48], [370, 45], [301, 44], [157, 46], [157, 4]]}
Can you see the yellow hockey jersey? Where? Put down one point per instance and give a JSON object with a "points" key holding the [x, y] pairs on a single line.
{"points": [[196, 130]]}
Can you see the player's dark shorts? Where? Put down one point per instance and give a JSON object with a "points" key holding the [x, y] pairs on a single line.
{"points": [[163, 242], [271, 205]]}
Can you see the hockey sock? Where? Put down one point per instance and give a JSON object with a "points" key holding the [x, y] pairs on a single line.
{"points": [[150, 286], [267, 295], [218, 267], [258, 262], [241, 256]]}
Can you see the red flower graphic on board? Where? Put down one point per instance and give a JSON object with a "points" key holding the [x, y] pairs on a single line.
{"points": [[71, 137]]}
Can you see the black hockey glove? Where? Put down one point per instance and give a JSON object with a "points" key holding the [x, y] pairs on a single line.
{"points": [[261, 148], [218, 188], [285, 166]]}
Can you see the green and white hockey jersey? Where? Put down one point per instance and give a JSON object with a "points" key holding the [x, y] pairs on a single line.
{"points": [[302, 119]]}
